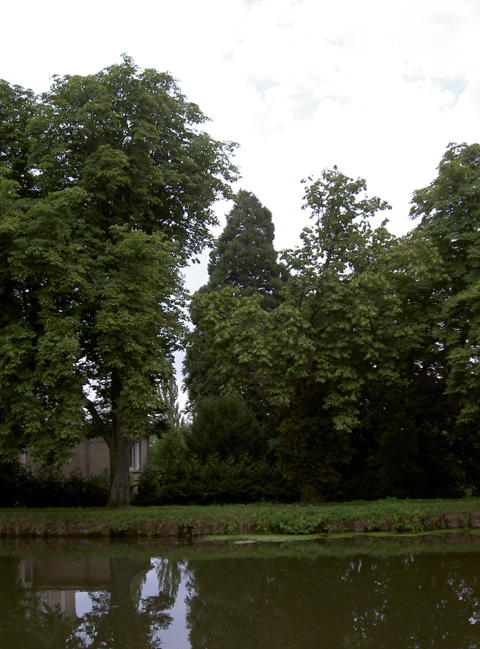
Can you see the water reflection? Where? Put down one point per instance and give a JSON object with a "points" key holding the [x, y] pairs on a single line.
{"points": [[135, 596], [39, 602], [421, 601]]}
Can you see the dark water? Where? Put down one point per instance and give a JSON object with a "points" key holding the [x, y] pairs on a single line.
{"points": [[345, 593]]}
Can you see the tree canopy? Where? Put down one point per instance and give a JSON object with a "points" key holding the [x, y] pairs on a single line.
{"points": [[450, 218], [107, 189], [349, 362]]}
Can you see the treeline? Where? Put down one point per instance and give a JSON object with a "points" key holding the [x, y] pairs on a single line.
{"points": [[349, 369]]}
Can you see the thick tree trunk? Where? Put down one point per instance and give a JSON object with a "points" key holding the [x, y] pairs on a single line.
{"points": [[119, 447], [121, 625]]}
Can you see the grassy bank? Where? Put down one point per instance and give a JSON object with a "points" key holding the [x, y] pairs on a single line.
{"points": [[380, 516]]}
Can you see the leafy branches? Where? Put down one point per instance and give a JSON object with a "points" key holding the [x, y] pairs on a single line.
{"points": [[107, 195]]}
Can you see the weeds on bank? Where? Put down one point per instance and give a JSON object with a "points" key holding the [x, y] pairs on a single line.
{"points": [[374, 517], [381, 516]]}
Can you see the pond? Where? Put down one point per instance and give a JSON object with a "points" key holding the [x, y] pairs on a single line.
{"points": [[407, 592]]}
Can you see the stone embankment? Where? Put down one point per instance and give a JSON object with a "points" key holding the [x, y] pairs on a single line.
{"points": [[160, 528], [293, 521]]}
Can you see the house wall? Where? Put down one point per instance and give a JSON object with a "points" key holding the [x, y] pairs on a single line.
{"points": [[92, 457]]}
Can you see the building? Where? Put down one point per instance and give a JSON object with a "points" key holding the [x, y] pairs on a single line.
{"points": [[92, 457]]}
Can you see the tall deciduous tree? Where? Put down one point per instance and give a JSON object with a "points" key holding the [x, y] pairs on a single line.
{"points": [[115, 197], [450, 217], [17, 107], [341, 337]]}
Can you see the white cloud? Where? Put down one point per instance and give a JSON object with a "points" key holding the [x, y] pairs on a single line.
{"points": [[377, 88]]}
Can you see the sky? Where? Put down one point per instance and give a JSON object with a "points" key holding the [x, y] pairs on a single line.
{"points": [[377, 88]]}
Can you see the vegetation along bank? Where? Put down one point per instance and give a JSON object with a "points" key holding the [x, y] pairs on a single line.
{"points": [[381, 516]]}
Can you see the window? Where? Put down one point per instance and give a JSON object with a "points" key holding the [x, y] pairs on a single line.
{"points": [[135, 455]]}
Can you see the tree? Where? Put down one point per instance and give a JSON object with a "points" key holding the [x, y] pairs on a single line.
{"points": [[345, 337], [450, 218], [225, 427], [124, 181], [242, 263], [244, 256], [118, 617]]}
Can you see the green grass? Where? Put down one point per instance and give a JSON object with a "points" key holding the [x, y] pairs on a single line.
{"points": [[389, 515]]}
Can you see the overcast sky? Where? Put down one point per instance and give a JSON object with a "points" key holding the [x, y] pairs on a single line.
{"points": [[378, 88]]}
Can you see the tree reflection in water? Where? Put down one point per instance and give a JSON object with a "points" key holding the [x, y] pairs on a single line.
{"points": [[402, 602], [280, 600], [119, 618]]}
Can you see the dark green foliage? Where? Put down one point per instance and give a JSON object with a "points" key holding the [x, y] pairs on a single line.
{"points": [[450, 211], [201, 363], [13, 481], [185, 480], [177, 475], [354, 364], [244, 256], [226, 427], [21, 488], [243, 261], [313, 353], [220, 458], [411, 462], [17, 107]]}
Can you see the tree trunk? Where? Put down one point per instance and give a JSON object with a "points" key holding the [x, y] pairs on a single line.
{"points": [[121, 625], [119, 446]]}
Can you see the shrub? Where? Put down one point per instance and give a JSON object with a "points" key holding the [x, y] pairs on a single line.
{"points": [[224, 426], [21, 488], [187, 480]]}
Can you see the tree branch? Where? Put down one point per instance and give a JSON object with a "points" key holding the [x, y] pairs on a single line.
{"points": [[97, 420]]}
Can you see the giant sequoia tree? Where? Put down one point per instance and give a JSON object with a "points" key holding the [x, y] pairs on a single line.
{"points": [[107, 188], [243, 263], [244, 256]]}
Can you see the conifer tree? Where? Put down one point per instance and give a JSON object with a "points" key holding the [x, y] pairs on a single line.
{"points": [[243, 263], [244, 256]]}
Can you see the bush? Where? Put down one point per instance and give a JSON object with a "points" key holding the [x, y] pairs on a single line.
{"points": [[224, 426], [189, 481], [220, 458], [14, 484], [21, 488]]}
